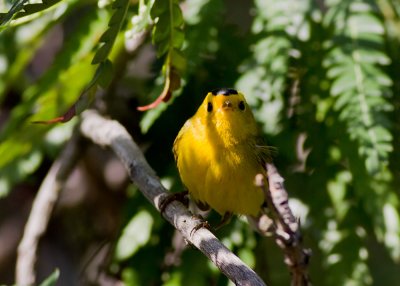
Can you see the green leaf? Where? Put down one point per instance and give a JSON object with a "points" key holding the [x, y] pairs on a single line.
{"points": [[178, 59], [247, 256], [159, 8], [135, 235], [150, 117], [337, 189], [343, 83], [366, 23], [161, 31], [392, 225], [177, 17], [15, 8], [19, 160], [19, 11], [106, 74], [167, 31], [119, 14], [101, 54], [178, 38], [52, 279], [109, 36], [162, 48], [355, 67]]}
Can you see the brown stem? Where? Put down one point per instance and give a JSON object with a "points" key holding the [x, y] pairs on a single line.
{"points": [[42, 209], [286, 228]]}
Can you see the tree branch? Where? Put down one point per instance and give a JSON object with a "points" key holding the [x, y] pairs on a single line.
{"points": [[285, 227], [42, 209], [110, 133]]}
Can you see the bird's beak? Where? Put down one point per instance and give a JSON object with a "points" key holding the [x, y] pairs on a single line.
{"points": [[227, 104]]}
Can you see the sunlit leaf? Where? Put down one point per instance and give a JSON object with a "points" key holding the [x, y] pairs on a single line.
{"points": [[135, 234]]}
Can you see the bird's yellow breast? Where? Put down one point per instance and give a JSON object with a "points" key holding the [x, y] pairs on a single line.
{"points": [[217, 161]]}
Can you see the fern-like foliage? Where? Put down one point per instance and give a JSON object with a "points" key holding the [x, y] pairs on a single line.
{"points": [[276, 28], [361, 87], [20, 9], [18, 53], [362, 91], [22, 151], [201, 19], [17, 7], [114, 26], [168, 37], [104, 72]]}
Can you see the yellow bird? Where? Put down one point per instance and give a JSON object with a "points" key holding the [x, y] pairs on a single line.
{"points": [[219, 152]]}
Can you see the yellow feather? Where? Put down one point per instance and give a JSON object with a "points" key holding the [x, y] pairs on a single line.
{"points": [[219, 152]]}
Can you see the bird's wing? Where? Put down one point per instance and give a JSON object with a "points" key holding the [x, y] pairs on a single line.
{"points": [[175, 148]]}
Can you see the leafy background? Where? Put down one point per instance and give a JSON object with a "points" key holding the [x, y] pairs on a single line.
{"points": [[321, 77]]}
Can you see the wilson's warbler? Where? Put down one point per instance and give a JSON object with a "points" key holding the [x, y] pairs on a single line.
{"points": [[219, 152]]}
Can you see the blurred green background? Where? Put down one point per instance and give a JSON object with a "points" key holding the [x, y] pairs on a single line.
{"points": [[321, 76]]}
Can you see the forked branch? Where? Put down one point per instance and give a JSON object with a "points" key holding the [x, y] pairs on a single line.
{"points": [[285, 227], [106, 132]]}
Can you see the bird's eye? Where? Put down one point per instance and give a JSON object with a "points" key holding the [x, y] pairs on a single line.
{"points": [[242, 106], [209, 107]]}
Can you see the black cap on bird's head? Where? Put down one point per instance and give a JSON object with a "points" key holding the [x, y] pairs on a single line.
{"points": [[224, 91], [225, 99]]}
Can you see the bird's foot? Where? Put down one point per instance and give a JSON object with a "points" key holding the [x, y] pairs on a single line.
{"points": [[226, 218], [181, 197], [201, 224]]}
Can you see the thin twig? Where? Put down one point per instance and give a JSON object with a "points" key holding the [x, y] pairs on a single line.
{"points": [[42, 209], [286, 228], [110, 133]]}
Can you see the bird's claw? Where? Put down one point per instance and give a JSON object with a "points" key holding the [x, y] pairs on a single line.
{"points": [[181, 197]]}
